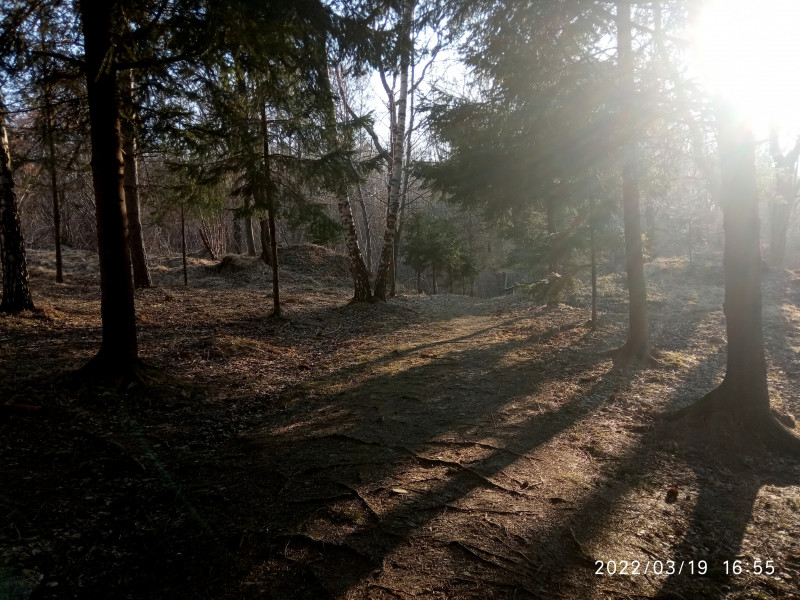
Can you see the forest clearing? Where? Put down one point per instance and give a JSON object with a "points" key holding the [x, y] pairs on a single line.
{"points": [[432, 447], [390, 299]]}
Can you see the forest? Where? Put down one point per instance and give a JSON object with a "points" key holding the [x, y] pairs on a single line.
{"points": [[391, 299]]}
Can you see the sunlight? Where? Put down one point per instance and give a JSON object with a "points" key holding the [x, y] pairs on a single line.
{"points": [[747, 52]]}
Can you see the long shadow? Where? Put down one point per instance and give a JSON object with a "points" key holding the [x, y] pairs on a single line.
{"points": [[726, 502], [375, 433], [340, 473], [388, 441], [728, 485]]}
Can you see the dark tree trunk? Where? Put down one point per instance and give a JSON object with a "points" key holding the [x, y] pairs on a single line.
{"points": [[237, 234], [743, 393], [433, 279], [117, 358], [141, 274], [52, 169], [636, 348], [16, 289], [266, 252], [269, 197], [183, 246], [746, 368], [248, 228]]}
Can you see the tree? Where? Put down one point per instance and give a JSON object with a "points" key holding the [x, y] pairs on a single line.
{"points": [[787, 190], [743, 393], [636, 348], [16, 288], [406, 14], [118, 357], [141, 274]]}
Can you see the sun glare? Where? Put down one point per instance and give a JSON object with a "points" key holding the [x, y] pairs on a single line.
{"points": [[748, 52]]}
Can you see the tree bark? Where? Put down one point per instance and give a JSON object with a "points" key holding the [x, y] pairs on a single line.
{"points": [[183, 246], [361, 287], [248, 228], [367, 232], [268, 195], [636, 348], [407, 9], [141, 274], [117, 358], [266, 252], [53, 171], [237, 234], [16, 287]]}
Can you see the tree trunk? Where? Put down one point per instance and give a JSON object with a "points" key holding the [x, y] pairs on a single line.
{"points": [[743, 393], [593, 253], [268, 195], [786, 188], [263, 226], [433, 279], [361, 291], [183, 246], [141, 274], [404, 194], [237, 234], [779, 228], [747, 368], [16, 288], [117, 358], [398, 136], [367, 232], [636, 348], [52, 169], [248, 228], [553, 266]]}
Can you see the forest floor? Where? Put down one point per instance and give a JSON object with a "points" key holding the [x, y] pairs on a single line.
{"points": [[430, 447]]}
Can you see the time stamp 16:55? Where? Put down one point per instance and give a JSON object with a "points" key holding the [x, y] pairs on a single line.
{"points": [[682, 567]]}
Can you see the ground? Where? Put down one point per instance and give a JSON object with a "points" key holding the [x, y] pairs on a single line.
{"points": [[430, 447]]}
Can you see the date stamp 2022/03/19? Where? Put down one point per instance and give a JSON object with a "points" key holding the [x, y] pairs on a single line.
{"points": [[683, 567]]}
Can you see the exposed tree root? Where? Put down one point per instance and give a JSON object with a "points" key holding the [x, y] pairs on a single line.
{"points": [[628, 357], [745, 420]]}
